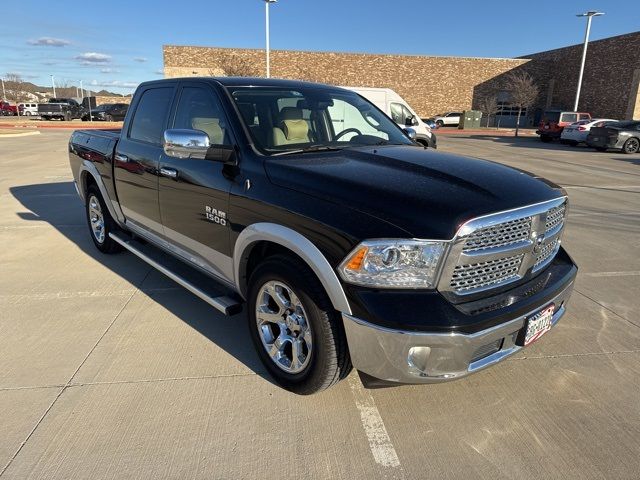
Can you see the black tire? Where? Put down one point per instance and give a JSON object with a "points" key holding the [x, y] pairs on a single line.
{"points": [[105, 244], [66, 117], [545, 138], [109, 118], [45, 117], [632, 145], [439, 123], [329, 359]]}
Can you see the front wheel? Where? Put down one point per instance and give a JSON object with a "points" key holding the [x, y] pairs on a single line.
{"points": [[631, 146], [100, 222], [299, 337], [439, 123]]}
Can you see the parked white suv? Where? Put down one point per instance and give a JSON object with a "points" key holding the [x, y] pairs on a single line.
{"points": [[400, 112], [448, 119], [28, 109]]}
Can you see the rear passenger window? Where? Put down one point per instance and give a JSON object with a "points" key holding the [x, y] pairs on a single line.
{"points": [[569, 117], [151, 114]]}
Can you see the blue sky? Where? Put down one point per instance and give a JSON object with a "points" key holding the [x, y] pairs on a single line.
{"points": [[116, 44]]}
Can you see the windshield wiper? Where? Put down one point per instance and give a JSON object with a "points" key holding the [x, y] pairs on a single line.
{"points": [[310, 149]]}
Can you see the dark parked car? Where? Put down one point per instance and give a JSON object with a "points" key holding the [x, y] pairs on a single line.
{"points": [[108, 112], [61, 108], [623, 136]]}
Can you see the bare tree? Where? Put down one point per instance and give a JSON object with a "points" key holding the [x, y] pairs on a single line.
{"points": [[231, 64], [13, 84], [523, 92], [488, 104]]}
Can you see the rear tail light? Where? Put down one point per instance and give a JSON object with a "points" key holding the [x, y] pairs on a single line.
{"points": [[582, 129]]}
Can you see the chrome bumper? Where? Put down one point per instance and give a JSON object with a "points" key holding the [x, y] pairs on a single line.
{"points": [[421, 357]]}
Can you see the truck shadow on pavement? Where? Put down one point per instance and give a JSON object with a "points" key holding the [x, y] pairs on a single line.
{"points": [[58, 205]]}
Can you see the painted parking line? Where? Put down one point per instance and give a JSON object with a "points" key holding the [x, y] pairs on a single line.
{"points": [[631, 273], [379, 442]]}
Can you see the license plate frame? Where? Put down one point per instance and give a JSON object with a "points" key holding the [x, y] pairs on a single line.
{"points": [[536, 326]]}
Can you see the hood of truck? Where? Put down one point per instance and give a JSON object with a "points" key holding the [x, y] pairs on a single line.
{"points": [[424, 192]]}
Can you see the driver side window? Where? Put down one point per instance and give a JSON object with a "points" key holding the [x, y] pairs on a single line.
{"points": [[198, 109], [345, 116]]}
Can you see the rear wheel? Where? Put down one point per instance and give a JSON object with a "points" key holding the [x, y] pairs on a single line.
{"points": [[439, 123], [631, 146], [100, 222], [109, 118], [298, 335]]}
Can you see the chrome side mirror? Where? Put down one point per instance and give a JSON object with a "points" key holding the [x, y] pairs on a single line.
{"points": [[410, 132], [184, 143]]}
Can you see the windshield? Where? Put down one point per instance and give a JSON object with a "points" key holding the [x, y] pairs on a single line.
{"points": [[307, 119]]}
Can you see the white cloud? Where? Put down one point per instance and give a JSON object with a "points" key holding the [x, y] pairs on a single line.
{"points": [[109, 70], [140, 59], [113, 83], [49, 42], [90, 58]]}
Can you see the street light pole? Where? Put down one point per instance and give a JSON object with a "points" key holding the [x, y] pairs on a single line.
{"points": [[4, 94], [590, 14], [266, 18], [53, 84]]}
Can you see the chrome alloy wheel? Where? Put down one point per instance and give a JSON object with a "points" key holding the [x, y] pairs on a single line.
{"points": [[96, 218], [283, 327]]}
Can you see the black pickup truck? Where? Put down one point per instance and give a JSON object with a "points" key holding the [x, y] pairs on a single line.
{"points": [[60, 108], [352, 247]]}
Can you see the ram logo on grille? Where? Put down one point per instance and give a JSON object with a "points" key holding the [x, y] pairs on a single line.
{"points": [[504, 247]]}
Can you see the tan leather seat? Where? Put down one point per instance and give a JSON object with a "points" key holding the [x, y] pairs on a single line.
{"points": [[291, 129], [210, 126]]}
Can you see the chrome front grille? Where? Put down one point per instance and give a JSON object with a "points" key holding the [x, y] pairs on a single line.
{"points": [[498, 249], [548, 250], [499, 235], [473, 275]]}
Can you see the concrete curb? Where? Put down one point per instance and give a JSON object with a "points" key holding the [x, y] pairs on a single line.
{"points": [[19, 134]]}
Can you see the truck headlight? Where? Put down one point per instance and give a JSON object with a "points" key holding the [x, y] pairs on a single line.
{"points": [[394, 263]]}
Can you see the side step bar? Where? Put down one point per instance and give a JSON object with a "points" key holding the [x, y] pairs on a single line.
{"points": [[160, 262]]}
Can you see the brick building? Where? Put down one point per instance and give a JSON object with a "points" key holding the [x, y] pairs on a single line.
{"points": [[433, 85]]}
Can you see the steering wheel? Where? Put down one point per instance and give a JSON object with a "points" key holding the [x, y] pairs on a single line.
{"points": [[348, 130]]}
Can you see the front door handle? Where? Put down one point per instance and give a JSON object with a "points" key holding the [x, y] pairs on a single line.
{"points": [[122, 158], [168, 172]]}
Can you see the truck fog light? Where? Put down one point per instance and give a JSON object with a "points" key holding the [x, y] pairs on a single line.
{"points": [[417, 359]]}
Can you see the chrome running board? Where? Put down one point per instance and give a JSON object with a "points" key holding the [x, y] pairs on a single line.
{"points": [[162, 262]]}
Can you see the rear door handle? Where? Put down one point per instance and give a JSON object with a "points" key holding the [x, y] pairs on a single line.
{"points": [[122, 158], [168, 172]]}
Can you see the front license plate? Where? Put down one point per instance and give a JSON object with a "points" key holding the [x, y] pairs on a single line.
{"points": [[538, 325]]}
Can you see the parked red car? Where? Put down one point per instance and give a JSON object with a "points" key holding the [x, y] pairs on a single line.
{"points": [[7, 109], [554, 121]]}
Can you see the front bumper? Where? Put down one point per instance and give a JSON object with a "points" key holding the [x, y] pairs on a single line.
{"points": [[402, 356]]}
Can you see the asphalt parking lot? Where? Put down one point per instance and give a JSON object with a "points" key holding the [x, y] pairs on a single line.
{"points": [[110, 370]]}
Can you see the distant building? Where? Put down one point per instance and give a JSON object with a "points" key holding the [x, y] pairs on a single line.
{"points": [[434, 85]]}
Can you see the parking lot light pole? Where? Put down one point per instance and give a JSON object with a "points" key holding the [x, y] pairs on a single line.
{"points": [[590, 14], [266, 19], [4, 94], [53, 84]]}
